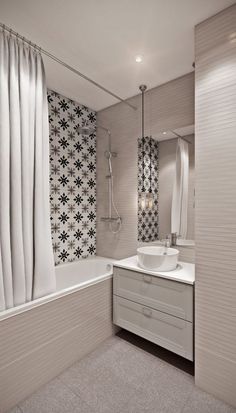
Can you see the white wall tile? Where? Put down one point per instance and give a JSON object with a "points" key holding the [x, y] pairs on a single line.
{"points": [[215, 143], [39, 344]]}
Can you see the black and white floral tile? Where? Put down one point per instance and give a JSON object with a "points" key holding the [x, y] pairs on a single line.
{"points": [[72, 179], [148, 178]]}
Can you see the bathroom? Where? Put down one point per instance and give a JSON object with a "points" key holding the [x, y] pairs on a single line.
{"points": [[117, 206]]}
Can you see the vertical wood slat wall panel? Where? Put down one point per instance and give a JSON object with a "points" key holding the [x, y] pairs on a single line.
{"points": [[39, 344], [215, 228], [168, 106]]}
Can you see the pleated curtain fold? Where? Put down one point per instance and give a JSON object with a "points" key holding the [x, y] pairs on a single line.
{"points": [[26, 258]]}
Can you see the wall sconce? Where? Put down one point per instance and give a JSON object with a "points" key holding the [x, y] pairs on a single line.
{"points": [[149, 200], [143, 201], [146, 200]]}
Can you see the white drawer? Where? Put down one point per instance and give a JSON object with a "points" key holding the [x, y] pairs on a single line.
{"points": [[167, 331], [168, 296]]}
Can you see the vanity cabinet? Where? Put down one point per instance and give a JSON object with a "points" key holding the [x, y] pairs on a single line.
{"points": [[158, 309]]}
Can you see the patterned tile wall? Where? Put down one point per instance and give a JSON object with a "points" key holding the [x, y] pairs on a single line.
{"points": [[148, 175], [72, 179]]}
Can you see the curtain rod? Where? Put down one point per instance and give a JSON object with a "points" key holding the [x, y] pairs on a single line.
{"points": [[72, 69]]}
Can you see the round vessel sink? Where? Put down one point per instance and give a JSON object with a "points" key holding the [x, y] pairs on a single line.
{"points": [[157, 258]]}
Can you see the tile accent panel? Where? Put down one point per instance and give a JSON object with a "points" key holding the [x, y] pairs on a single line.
{"points": [[169, 106], [215, 45], [72, 179], [148, 175]]}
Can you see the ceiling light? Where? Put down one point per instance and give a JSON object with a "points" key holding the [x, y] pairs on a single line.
{"points": [[138, 59], [164, 133]]}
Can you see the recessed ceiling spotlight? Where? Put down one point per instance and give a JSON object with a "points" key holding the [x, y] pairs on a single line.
{"points": [[164, 133], [138, 59]]}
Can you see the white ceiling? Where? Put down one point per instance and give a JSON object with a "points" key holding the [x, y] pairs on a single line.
{"points": [[172, 134], [102, 37]]}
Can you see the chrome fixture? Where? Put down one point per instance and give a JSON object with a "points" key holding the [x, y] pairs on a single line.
{"points": [[85, 130], [166, 244], [173, 239], [115, 223], [142, 88], [179, 136], [146, 200], [170, 239], [88, 130], [72, 69]]}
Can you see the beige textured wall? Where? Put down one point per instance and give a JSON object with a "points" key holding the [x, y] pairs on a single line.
{"points": [[215, 140], [169, 106], [38, 344], [167, 163]]}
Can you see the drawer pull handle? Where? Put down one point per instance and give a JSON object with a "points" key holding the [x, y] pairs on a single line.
{"points": [[147, 312], [147, 278]]}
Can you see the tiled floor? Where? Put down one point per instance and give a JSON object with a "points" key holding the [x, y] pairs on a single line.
{"points": [[120, 377]]}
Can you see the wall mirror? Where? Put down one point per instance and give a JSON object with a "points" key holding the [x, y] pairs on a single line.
{"points": [[166, 186]]}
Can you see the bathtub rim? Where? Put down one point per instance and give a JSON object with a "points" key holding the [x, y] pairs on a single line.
{"points": [[14, 311]]}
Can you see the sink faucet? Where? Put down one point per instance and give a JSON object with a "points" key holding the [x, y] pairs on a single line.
{"points": [[173, 237], [166, 244]]}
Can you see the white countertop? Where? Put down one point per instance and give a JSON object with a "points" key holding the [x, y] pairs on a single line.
{"points": [[185, 272]]}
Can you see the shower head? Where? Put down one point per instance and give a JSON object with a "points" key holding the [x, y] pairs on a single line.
{"points": [[88, 130], [85, 130]]}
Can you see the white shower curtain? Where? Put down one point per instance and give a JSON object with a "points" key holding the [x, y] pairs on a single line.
{"points": [[26, 258], [179, 209]]}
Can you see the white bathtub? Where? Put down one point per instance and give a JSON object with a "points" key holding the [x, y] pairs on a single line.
{"points": [[70, 277], [81, 273], [42, 338]]}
